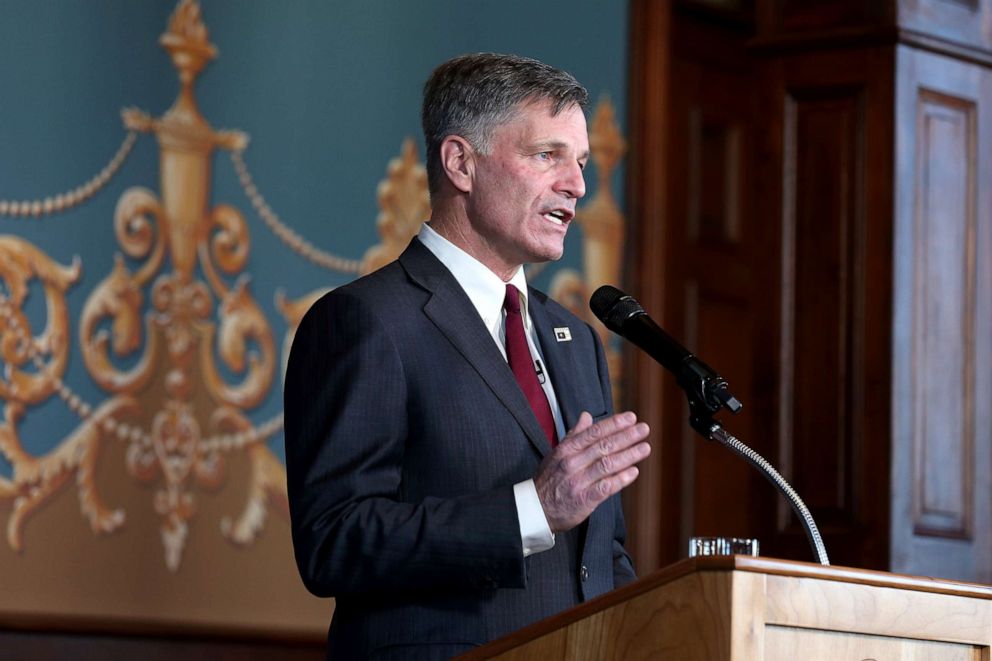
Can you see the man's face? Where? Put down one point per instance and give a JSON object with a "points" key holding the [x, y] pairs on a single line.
{"points": [[524, 191]]}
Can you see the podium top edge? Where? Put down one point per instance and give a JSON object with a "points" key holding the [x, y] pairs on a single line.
{"points": [[797, 569]]}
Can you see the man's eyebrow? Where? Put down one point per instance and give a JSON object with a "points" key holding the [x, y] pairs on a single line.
{"points": [[548, 144]]}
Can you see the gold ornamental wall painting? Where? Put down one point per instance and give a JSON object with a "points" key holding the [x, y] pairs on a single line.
{"points": [[174, 439]]}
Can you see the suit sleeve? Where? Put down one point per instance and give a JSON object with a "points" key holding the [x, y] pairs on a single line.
{"points": [[623, 566], [346, 430]]}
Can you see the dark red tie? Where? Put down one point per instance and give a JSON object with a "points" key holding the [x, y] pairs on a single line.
{"points": [[522, 364]]}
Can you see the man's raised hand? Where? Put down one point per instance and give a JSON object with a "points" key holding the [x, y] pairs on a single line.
{"points": [[592, 462]]}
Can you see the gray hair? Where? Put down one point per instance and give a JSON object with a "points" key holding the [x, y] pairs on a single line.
{"points": [[472, 95]]}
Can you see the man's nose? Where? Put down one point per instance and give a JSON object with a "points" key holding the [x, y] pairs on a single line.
{"points": [[572, 183]]}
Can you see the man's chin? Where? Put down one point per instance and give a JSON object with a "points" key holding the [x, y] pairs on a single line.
{"points": [[553, 252], [545, 258]]}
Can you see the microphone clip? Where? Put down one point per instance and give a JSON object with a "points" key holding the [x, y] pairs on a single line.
{"points": [[706, 391]]}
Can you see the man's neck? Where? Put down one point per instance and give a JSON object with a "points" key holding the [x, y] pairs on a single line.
{"points": [[453, 229]]}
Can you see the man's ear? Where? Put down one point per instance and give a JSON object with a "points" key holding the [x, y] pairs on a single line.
{"points": [[458, 162]]}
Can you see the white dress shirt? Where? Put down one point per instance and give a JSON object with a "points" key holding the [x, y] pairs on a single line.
{"points": [[487, 290]]}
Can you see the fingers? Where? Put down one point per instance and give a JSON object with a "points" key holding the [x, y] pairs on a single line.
{"points": [[605, 464], [593, 462], [605, 448], [615, 453], [614, 484], [585, 433]]}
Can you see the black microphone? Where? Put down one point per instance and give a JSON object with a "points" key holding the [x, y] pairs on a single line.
{"points": [[623, 315]]}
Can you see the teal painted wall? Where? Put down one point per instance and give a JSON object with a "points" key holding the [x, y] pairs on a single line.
{"points": [[327, 90]]}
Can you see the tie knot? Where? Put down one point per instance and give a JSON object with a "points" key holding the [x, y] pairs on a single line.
{"points": [[512, 301]]}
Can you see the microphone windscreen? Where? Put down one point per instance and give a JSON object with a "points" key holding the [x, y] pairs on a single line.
{"points": [[613, 307]]}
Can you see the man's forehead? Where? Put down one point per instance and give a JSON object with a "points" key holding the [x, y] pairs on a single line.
{"points": [[539, 122], [535, 126], [542, 105]]}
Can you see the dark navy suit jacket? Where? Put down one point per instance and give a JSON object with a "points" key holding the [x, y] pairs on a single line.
{"points": [[405, 433]]}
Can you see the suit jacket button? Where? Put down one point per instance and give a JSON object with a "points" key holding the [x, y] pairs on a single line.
{"points": [[584, 573]]}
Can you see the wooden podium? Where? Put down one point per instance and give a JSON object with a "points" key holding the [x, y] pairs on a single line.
{"points": [[748, 609]]}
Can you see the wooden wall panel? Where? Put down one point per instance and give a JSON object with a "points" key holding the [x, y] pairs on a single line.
{"points": [[829, 181], [777, 275], [943, 320], [717, 495], [720, 491], [714, 178], [718, 488], [708, 304], [942, 441], [829, 212], [823, 300]]}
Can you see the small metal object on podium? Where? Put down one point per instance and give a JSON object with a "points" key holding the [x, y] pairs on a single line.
{"points": [[722, 546]]}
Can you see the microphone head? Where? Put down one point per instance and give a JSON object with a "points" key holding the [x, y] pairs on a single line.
{"points": [[613, 307]]}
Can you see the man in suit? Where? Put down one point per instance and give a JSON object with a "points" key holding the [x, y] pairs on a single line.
{"points": [[454, 465]]}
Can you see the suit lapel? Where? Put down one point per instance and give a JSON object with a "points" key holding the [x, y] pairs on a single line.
{"points": [[450, 309], [561, 363]]}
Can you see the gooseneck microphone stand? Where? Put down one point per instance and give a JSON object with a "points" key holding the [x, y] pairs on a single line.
{"points": [[701, 410]]}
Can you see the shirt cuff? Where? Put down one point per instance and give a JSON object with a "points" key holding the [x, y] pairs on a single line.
{"points": [[535, 533]]}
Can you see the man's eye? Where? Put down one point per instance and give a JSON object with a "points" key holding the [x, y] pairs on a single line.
{"points": [[582, 165], [544, 155]]}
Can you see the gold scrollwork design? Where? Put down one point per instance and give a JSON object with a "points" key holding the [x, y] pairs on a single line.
{"points": [[266, 487], [21, 262], [118, 298], [404, 203], [228, 247], [242, 323], [136, 233], [102, 519], [174, 443], [36, 479], [230, 244]]}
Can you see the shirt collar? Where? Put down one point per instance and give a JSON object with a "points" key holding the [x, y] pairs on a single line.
{"points": [[484, 288]]}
